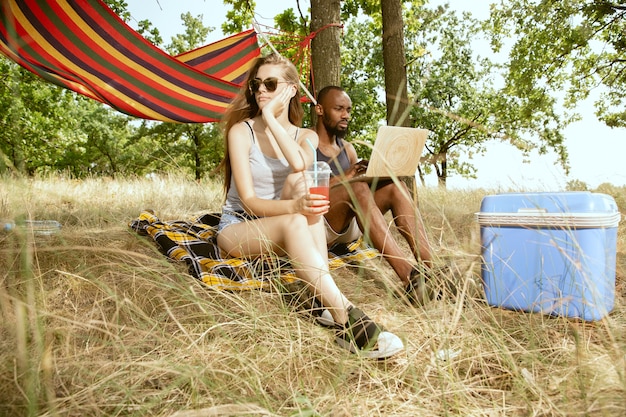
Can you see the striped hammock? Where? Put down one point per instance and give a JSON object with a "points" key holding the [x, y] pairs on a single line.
{"points": [[85, 47]]}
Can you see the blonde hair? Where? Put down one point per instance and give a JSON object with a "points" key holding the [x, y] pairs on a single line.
{"points": [[244, 105]]}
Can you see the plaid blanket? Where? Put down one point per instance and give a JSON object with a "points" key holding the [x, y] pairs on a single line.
{"points": [[194, 243]]}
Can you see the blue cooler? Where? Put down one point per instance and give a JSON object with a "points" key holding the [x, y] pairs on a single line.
{"points": [[552, 253]]}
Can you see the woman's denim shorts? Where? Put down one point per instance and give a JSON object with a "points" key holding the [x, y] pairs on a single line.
{"points": [[230, 217]]}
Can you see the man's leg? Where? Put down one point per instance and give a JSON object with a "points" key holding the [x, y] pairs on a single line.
{"points": [[427, 284], [407, 218], [371, 222]]}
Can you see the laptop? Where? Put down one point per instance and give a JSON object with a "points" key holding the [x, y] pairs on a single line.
{"points": [[396, 153]]}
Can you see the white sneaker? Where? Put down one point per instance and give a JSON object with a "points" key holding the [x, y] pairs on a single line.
{"points": [[364, 337], [387, 345], [325, 319]]}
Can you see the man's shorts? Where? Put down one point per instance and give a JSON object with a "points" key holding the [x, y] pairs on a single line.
{"points": [[350, 234]]}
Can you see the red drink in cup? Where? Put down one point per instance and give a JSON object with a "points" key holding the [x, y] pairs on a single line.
{"points": [[317, 179], [323, 190]]}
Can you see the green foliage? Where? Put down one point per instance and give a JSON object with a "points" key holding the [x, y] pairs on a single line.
{"points": [[452, 89], [120, 8], [144, 27], [352, 8], [576, 185], [190, 148], [240, 17], [362, 77], [571, 46], [150, 33], [291, 23], [44, 128], [99, 143], [464, 99], [292, 29], [34, 122], [195, 35]]}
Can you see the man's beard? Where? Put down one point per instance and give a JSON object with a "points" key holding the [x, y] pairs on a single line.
{"points": [[335, 131]]}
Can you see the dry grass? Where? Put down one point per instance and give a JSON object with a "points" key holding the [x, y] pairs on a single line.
{"points": [[95, 321]]}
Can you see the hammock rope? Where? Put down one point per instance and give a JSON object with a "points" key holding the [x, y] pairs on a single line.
{"points": [[303, 51], [269, 43]]}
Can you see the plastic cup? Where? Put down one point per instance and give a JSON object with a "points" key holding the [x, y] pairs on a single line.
{"points": [[318, 178]]}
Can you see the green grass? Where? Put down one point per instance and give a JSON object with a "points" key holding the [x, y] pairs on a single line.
{"points": [[95, 321]]}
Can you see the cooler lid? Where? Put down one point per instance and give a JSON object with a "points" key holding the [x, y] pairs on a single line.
{"points": [[562, 202], [576, 209], [538, 218]]}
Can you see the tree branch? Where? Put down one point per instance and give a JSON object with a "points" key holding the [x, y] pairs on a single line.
{"points": [[617, 6]]}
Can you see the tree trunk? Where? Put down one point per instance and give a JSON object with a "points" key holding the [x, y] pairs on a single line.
{"points": [[197, 159], [394, 61], [395, 64], [442, 176], [325, 55], [194, 132]]}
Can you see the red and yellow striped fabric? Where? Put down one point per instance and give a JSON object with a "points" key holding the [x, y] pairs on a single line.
{"points": [[83, 46], [227, 59]]}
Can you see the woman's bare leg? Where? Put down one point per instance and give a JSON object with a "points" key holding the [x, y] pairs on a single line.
{"points": [[294, 235], [294, 188]]}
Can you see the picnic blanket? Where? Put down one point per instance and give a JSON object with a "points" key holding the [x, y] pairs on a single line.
{"points": [[194, 242]]}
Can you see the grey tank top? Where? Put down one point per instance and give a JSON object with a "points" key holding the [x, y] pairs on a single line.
{"points": [[268, 176], [338, 164]]}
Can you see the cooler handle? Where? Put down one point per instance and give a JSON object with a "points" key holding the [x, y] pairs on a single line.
{"points": [[531, 210]]}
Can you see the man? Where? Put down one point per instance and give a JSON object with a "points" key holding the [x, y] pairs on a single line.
{"points": [[356, 209]]}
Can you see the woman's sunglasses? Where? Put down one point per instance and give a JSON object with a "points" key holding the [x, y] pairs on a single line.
{"points": [[270, 84]]}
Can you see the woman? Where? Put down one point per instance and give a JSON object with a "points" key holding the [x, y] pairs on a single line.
{"points": [[267, 209]]}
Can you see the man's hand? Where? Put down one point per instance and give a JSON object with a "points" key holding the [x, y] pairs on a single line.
{"points": [[358, 168], [355, 170]]}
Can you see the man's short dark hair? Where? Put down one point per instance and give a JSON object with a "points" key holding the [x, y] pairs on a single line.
{"points": [[326, 90]]}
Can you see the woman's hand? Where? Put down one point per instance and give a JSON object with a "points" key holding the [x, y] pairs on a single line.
{"points": [[279, 102], [312, 205]]}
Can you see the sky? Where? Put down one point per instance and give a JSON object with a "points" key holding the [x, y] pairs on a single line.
{"points": [[596, 152]]}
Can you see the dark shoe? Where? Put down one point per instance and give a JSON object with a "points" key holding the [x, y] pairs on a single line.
{"points": [[449, 278], [362, 336], [322, 315], [419, 290]]}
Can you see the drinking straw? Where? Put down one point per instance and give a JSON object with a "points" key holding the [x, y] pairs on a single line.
{"points": [[314, 161]]}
